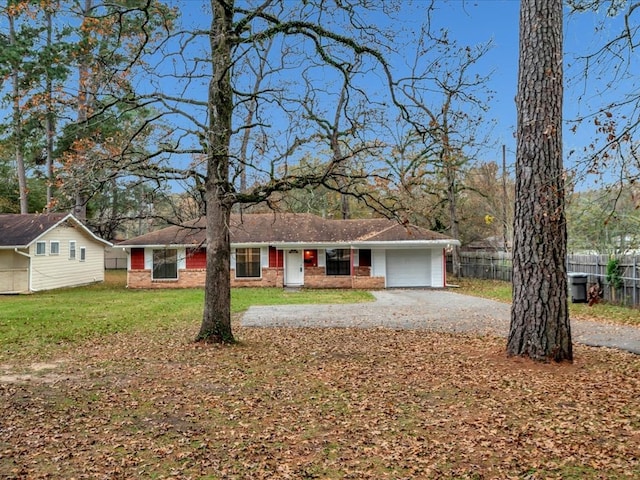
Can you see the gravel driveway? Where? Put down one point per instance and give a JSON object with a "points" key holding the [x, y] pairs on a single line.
{"points": [[435, 310]]}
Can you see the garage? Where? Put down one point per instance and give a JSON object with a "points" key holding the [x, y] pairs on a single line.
{"points": [[408, 268]]}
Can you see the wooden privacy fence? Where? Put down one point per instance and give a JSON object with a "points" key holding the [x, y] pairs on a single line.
{"points": [[488, 265], [497, 266]]}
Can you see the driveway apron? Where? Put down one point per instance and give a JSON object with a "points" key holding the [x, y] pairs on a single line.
{"points": [[430, 310]]}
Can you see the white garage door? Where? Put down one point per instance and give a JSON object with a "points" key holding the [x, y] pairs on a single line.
{"points": [[408, 268]]}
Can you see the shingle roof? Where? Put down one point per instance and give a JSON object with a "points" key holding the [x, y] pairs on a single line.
{"points": [[18, 230], [291, 228]]}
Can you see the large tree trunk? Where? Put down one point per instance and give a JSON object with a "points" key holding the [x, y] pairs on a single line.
{"points": [[539, 316], [216, 319]]}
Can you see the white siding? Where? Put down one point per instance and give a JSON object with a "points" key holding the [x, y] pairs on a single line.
{"points": [[56, 271], [321, 258], [378, 263], [182, 258], [437, 268], [148, 258]]}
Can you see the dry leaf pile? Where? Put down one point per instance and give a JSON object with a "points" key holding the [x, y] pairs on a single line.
{"points": [[320, 403]]}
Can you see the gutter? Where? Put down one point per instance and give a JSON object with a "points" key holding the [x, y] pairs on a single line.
{"points": [[29, 269]]}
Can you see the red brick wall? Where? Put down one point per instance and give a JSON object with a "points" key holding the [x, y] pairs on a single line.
{"points": [[186, 279], [362, 271], [271, 277]]}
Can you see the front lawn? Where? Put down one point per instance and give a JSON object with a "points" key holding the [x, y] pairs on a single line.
{"points": [[137, 398], [47, 321], [501, 291]]}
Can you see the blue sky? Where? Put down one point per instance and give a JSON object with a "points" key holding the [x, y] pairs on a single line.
{"points": [[584, 33], [478, 21]]}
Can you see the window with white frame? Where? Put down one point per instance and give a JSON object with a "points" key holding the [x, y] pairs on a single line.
{"points": [[248, 263], [54, 248], [165, 264], [72, 249], [41, 248], [83, 254]]}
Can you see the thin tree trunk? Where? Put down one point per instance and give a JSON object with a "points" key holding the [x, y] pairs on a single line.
{"points": [[539, 316], [49, 119], [454, 229], [216, 318], [80, 203], [251, 111], [17, 126], [338, 158]]}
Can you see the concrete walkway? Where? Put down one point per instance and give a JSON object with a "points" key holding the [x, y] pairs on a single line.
{"points": [[434, 310]]}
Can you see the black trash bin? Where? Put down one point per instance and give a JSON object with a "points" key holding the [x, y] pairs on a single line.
{"points": [[578, 283]]}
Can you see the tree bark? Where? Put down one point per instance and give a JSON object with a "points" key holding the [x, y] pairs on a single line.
{"points": [[539, 316], [50, 115], [17, 124], [216, 318], [452, 198]]}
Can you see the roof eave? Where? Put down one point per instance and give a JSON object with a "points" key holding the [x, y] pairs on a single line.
{"points": [[282, 245], [76, 222]]}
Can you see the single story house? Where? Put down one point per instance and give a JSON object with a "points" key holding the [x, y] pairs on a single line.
{"points": [[278, 250], [47, 251]]}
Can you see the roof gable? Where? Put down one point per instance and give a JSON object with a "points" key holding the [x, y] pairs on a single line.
{"points": [[21, 230], [276, 228]]}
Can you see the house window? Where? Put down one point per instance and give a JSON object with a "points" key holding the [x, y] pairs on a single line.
{"points": [[54, 248], [72, 250], [165, 264], [41, 248], [338, 261], [310, 258], [83, 254], [248, 263]]}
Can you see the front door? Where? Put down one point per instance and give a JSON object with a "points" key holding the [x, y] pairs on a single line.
{"points": [[294, 268]]}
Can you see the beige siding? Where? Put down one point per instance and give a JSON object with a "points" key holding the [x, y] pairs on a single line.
{"points": [[56, 271], [14, 272]]}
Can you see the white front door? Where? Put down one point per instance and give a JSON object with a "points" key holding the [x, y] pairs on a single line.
{"points": [[294, 268]]}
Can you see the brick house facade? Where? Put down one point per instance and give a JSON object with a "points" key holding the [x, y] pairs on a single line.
{"points": [[277, 250]]}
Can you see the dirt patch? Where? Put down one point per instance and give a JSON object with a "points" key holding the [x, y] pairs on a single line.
{"points": [[39, 372]]}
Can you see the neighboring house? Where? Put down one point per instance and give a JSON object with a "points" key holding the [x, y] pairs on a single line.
{"points": [[276, 250], [46, 251]]}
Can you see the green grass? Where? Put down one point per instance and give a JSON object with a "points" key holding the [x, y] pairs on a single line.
{"points": [[42, 320], [501, 291]]}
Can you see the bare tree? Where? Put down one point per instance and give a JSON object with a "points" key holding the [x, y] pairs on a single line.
{"points": [[539, 316], [317, 63], [447, 105]]}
